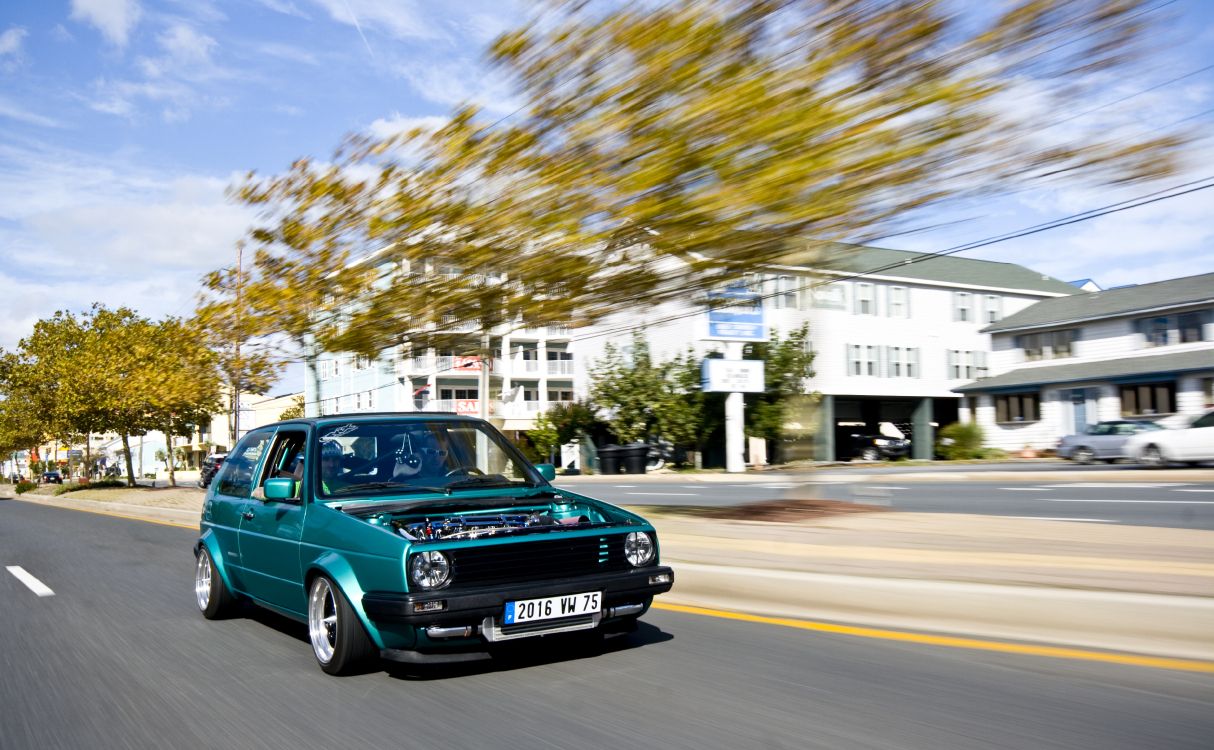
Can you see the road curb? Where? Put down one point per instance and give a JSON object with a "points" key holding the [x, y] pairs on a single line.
{"points": [[1157, 624]]}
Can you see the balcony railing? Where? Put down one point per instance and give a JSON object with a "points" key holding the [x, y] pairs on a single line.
{"points": [[560, 367]]}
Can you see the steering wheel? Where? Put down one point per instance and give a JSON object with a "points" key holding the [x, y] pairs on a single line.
{"points": [[470, 471]]}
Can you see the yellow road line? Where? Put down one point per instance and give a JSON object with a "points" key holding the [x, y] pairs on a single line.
{"points": [[1055, 652], [118, 515]]}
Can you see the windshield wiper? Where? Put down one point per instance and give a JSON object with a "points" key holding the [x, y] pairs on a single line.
{"points": [[483, 481], [385, 486]]}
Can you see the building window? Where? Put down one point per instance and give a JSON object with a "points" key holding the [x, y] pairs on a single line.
{"points": [[831, 296], [447, 394], [371, 400], [1207, 392], [966, 365], [1148, 399], [853, 360], [912, 363], [897, 302], [786, 293], [865, 300], [558, 396], [870, 361], [992, 308], [963, 307], [1050, 345], [1190, 325], [1016, 407], [893, 356], [361, 362]]}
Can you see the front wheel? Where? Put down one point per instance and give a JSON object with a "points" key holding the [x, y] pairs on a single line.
{"points": [[1084, 456], [212, 596], [1152, 457], [340, 643], [870, 454]]}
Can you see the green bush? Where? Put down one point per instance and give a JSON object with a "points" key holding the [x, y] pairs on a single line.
{"points": [[23, 487], [960, 441]]}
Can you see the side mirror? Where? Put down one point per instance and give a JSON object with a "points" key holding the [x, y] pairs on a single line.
{"points": [[280, 489], [547, 471]]}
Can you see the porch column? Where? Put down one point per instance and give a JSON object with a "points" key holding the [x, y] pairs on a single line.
{"points": [[923, 438], [824, 440]]}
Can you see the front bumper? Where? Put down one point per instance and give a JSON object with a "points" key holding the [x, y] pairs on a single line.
{"points": [[472, 606]]}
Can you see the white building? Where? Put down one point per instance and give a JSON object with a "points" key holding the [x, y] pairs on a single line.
{"points": [[894, 331], [1145, 351]]}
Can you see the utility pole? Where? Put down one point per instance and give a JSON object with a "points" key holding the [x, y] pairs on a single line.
{"points": [[239, 334]]}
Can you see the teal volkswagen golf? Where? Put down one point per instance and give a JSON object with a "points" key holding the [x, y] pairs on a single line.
{"points": [[415, 537]]}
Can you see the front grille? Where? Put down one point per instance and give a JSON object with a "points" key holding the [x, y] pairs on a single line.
{"points": [[521, 562]]}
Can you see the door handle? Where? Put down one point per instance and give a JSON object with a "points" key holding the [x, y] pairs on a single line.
{"points": [[248, 515]]}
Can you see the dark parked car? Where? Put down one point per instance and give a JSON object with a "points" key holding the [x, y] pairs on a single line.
{"points": [[415, 538], [210, 465], [52, 477], [871, 447], [1103, 441]]}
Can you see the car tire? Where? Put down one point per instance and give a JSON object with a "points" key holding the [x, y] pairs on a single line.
{"points": [[339, 641], [870, 454], [214, 599], [1152, 457], [1083, 455]]}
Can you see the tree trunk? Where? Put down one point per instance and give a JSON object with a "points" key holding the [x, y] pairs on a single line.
{"points": [[130, 467], [168, 444]]}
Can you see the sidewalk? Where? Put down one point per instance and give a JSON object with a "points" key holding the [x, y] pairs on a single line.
{"points": [[1137, 589], [889, 473]]}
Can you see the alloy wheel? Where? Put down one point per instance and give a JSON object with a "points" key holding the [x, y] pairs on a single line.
{"points": [[202, 579], [322, 620]]}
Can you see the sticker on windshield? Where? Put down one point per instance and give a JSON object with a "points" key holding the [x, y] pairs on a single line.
{"points": [[337, 432]]}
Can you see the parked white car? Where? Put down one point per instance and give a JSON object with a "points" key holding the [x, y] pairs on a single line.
{"points": [[1193, 444]]}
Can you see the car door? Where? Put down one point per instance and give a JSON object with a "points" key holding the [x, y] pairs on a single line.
{"points": [[228, 499], [270, 530], [1197, 442]]}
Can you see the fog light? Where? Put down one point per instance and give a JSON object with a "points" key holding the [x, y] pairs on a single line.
{"points": [[435, 606], [659, 578]]}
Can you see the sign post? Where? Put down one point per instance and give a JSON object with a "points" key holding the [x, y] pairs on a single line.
{"points": [[739, 322]]}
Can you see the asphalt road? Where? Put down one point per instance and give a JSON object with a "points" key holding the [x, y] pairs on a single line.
{"points": [[118, 657], [1188, 505]]}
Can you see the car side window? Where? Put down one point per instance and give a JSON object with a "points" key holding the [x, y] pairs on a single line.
{"points": [[285, 458], [1206, 421], [236, 474], [1127, 429]]}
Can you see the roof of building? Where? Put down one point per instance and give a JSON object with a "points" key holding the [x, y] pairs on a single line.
{"points": [[1109, 303], [947, 269], [1130, 367]]}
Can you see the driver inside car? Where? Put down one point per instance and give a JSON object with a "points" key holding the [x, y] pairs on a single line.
{"points": [[331, 469]]}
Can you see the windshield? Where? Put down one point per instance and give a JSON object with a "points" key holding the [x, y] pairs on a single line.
{"points": [[393, 457]]}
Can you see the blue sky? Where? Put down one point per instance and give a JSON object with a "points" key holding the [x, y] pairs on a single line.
{"points": [[123, 121]]}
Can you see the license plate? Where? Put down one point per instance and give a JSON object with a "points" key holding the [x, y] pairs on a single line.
{"points": [[552, 607]]}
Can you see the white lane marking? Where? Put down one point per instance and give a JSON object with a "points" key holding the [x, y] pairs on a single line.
{"points": [[1057, 518], [1179, 490], [1141, 502], [1114, 485], [885, 487], [1024, 489], [666, 494], [624, 486], [33, 584]]}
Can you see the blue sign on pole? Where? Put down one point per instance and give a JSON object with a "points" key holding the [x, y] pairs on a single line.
{"points": [[740, 321]]}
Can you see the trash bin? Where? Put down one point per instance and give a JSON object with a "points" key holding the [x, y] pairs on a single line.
{"points": [[634, 458], [609, 459]]}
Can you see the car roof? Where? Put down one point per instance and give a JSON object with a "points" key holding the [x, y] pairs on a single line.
{"points": [[379, 416]]}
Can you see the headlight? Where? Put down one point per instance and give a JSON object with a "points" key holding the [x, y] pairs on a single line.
{"points": [[638, 548], [881, 441], [430, 570]]}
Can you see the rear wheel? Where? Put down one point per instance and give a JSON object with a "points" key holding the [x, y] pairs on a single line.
{"points": [[870, 454], [340, 643], [212, 596], [1152, 457], [1084, 455]]}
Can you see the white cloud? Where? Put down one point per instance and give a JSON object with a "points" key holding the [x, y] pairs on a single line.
{"points": [[397, 18], [285, 7], [113, 18], [397, 123], [14, 111], [113, 232], [287, 52], [458, 81], [11, 41]]}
